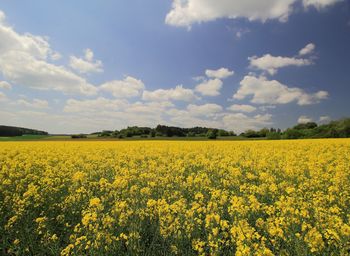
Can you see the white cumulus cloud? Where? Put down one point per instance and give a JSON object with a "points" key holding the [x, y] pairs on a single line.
{"points": [[178, 93], [220, 73], [241, 108], [264, 91], [319, 4], [308, 49], [271, 64], [187, 12], [94, 105], [5, 85], [127, 88], [24, 69], [209, 87], [86, 64], [89, 55], [204, 110], [24, 61], [240, 122]]}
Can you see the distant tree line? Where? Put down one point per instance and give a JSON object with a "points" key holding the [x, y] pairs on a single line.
{"points": [[264, 132], [334, 129], [166, 131], [11, 131], [78, 136]]}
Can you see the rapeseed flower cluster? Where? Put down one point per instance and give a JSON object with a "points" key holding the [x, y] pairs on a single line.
{"points": [[175, 198]]}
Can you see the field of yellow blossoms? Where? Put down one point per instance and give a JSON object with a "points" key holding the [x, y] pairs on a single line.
{"points": [[175, 198]]}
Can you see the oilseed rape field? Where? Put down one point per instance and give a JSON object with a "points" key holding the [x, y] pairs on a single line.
{"points": [[175, 198]]}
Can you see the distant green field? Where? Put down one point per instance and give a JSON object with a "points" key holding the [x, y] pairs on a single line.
{"points": [[57, 137], [24, 137]]}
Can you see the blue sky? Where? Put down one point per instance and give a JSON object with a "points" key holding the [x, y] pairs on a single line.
{"points": [[84, 66]]}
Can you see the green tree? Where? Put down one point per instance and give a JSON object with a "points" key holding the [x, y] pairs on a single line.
{"points": [[292, 134], [273, 136], [223, 133], [263, 132], [250, 134], [212, 134], [303, 126]]}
